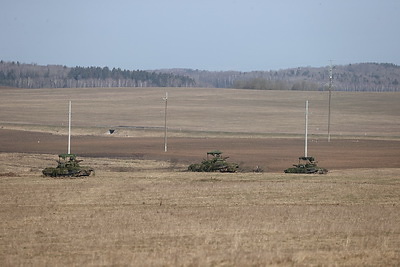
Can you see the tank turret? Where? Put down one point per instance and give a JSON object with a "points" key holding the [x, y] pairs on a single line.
{"points": [[306, 165], [68, 166]]}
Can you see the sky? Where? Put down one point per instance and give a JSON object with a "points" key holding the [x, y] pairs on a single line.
{"points": [[215, 35]]}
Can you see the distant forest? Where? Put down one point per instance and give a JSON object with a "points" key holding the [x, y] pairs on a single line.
{"points": [[15, 74], [373, 77]]}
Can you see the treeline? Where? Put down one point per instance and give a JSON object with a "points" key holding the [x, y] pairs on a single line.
{"points": [[264, 84], [374, 77], [104, 77], [15, 74]]}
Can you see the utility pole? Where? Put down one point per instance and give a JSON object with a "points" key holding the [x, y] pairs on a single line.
{"points": [[69, 128], [306, 132], [165, 121], [329, 104]]}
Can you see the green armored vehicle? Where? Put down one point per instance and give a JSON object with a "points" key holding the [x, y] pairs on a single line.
{"points": [[68, 166], [216, 163], [306, 165]]}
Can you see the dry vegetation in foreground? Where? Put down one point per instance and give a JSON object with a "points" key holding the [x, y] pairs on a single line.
{"points": [[148, 213]]}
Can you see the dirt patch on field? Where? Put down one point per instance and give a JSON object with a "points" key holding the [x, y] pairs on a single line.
{"points": [[271, 154]]}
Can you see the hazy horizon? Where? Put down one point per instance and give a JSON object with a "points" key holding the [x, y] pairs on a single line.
{"points": [[206, 35]]}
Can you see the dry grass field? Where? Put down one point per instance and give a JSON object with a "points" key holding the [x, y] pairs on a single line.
{"points": [[201, 112], [143, 209], [150, 213]]}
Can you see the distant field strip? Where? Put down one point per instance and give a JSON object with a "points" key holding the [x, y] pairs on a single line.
{"points": [[204, 110]]}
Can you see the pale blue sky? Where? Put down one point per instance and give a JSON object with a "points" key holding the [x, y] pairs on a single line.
{"points": [[239, 35]]}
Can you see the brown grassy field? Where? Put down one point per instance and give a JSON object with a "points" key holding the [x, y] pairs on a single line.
{"points": [[201, 112], [150, 213], [143, 209]]}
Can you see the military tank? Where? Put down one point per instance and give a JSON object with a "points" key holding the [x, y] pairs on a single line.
{"points": [[216, 163], [306, 165], [68, 166]]}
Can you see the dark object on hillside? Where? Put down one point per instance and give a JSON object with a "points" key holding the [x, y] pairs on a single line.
{"points": [[306, 165], [68, 166], [216, 163]]}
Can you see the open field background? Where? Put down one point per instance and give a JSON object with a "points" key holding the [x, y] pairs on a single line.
{"points": [[143, 208], [201, 111], [255, 128]]}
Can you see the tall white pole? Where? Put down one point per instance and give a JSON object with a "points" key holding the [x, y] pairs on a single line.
{"points": [[165, 122], [306, 132], [329, 115], [69, 128], [329, 102]]}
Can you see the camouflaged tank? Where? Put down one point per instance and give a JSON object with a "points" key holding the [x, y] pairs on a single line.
{"points": [[216, 163], [306, 165], [68, 166]]}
